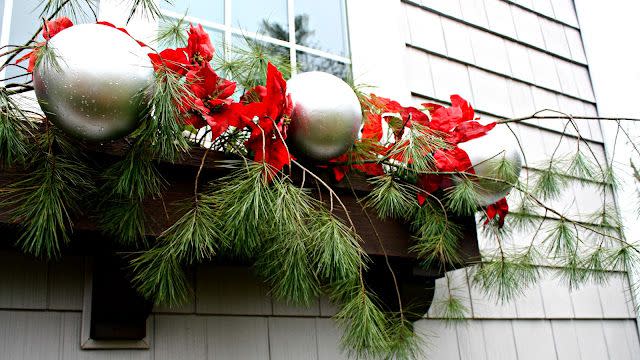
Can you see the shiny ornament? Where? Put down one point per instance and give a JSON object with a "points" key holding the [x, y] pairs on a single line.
{"points": [[486, 154], [326, 115], [97, 89]]}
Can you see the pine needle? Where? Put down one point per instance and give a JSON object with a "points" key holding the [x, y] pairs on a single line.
{"points": [[462, 199], [391, 198], [74, 9], [125, 221], [404, 343], [246, 204], [365, 327], [135, 176], [160, 130], [44, 201], [335, 249], [549, 183], [16, 130], [172, 33], [504, 278], [561, 239], [160, 277], [436, 237], [285, 262], [196, 236]]}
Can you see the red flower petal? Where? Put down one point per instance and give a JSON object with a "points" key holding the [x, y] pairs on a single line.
{"points": [[52, 28]]}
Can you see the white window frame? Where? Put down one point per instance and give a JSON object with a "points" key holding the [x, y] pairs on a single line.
{"points": [[228, 31]]}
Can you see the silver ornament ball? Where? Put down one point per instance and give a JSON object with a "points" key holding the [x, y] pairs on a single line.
{"points": [[326, 115], [487, 154], [96, 88]]}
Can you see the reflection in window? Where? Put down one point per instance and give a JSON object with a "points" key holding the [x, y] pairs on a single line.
{"points": [[320, 41], [309, 62], [25, 22], [209, 10], [324, 25], [251, 15]]}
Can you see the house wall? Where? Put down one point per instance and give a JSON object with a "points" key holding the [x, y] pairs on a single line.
{"points": [[508, 59]]}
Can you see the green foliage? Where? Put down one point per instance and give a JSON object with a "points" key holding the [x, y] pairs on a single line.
{"points": [[45, 200], [404, 343], [246, 203], [74, 9], [285, 262], [450, 309], [549, 183], [391, 198], [506, 277], [561, 239], [160, 276], [16, 129], [172, 33], [462, 199], [335, 249], [365, 326], [436, 237], [160, 131], [135, 176], [582, 167], [415, 150], [146, 8], [125, 220], [247, 63], [196, 235]]}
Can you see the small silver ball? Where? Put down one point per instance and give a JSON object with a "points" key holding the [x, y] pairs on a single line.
{"points": [[98, 91], [486, 154], [326, 115]]}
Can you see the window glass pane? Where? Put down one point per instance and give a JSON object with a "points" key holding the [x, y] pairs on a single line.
{"points": [[242, 48], [264, 16], [309, 62], [1, 14], [322, 25], [207, 10], [24, 23]]}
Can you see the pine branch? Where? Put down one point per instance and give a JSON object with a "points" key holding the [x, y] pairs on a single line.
{"points": [[160, 131], [159, 276], [391, 198], [16, 130], [45, 200], [365, 327]]}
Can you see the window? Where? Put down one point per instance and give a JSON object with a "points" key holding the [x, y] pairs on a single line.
{"points": [[312, 33], [19, 19]]}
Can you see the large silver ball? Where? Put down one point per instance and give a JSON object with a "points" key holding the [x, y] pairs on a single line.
{"points": [[487, 154], [95, 90], [326, 115]]}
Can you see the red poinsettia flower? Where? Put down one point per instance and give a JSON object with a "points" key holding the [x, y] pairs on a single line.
{"points": [[406, 114], [198, 52], [451, 160], [174, 60], [499, 209], [268, 120], [372, 128], [106, 23], [211, 101], [457, 121], [199, 45], [49, 30]]}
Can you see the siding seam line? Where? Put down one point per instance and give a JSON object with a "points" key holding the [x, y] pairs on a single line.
{"points": [[487, 113], [506, 76], [492, 32]]}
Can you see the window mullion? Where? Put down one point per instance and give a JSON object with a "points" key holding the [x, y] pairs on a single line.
{"points": [[291, 15], [227, 24]]}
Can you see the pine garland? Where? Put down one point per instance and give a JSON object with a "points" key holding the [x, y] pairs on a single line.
{"points": [[297, 243]]}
